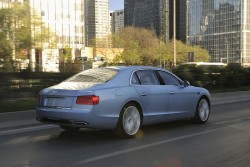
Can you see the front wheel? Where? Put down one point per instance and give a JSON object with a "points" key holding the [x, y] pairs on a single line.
{"points": [[129, 121], [202, 111]]}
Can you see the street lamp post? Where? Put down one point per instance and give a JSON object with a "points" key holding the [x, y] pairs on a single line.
{"points": [[174, 32], [227, 49]]}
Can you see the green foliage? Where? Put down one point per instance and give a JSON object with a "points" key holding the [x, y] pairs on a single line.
{"points": [[67, 54], [139, 46], [14, 84], [17, 26], [5, 53], [214, 78], [182, 50], [142, 47], [66, 64], [21, 104]]}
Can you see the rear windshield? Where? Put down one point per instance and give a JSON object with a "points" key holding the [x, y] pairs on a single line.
{"points": [[94, 75]]}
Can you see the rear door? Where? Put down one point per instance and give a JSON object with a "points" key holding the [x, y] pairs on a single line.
{"points": [[153, 95]]}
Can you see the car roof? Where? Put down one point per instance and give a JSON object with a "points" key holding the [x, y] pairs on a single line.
{"points": [[121, 68], [134, 68]]}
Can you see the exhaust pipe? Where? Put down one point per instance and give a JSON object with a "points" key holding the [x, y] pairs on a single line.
{"points": [[80, 123]]}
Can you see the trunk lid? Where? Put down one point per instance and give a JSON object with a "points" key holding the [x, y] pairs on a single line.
{"points": [[62, 95]]}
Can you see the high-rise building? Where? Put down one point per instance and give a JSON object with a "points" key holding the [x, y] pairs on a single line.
{"points": [[222, 27], [152, 14], [117, 21], [97, 22], [181, 10], [111, 21], [64, 23], [64, 18], [73, 25]]}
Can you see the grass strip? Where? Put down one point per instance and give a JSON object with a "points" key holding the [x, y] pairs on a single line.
{"points": [[18, 104]]}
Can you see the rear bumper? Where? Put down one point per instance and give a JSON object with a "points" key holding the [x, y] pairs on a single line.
{"points": [[60, 121], [75, 118]]}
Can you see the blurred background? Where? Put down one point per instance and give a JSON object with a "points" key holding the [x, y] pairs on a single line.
{"points": [[43, 42]]}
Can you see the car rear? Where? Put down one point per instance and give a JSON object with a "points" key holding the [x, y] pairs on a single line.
{"points": [[73, 101]]}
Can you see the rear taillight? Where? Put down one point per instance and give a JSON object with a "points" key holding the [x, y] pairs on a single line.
{"points": [[87, 100]]}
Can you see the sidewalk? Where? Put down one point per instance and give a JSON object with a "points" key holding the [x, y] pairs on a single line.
{"points": [[27, 118]]}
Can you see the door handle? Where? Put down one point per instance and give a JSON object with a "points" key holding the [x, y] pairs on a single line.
{"points": [[143, 94], [171, 92]]}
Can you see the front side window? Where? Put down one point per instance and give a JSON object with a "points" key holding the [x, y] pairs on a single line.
{"points": [[101, 75], [169, 79]]}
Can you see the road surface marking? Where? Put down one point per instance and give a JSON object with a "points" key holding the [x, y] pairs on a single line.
{"points": [[21, 130], [116, 153], [230, 101]]}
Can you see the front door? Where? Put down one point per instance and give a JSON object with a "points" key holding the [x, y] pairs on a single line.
{"points": [[181, 98]]}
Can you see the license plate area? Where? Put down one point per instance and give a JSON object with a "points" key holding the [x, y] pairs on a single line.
{"points": [[55, 102]]}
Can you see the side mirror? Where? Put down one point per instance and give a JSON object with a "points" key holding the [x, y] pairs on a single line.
{"points": [[186, 83]]}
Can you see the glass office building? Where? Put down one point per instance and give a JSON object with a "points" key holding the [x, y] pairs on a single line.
{"points": [[97, 22], [62, 25], [65, 18], [117, 21], [222, 27], [152, 14], [181, 21]]}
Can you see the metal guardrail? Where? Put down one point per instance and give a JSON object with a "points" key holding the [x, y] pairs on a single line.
{"points": [[26, 84]]}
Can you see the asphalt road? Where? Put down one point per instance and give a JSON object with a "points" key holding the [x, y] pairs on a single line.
{"points": [[223, 142]]}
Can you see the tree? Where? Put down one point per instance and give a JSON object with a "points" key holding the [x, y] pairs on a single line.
{"points": [[162, 53], [182, 51], [131, 56], [5, 53], [20, 31], [5, 43], [142, 47], [139, 46]]}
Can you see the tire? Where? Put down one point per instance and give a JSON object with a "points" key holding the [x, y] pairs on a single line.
{"points": [[129, 121], [69, 128], [202, 111]]}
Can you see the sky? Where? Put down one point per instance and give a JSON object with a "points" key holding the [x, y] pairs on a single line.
{"points": [[116, 4]]}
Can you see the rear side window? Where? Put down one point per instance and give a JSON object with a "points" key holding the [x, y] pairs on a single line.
{"points": [[94, 75], [145, 77], [135, 80]]}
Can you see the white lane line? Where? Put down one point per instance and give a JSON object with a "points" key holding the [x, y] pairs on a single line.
{"points": [[21, 130], [116, 153], [231, 121], [230, 101], [14, 112]]}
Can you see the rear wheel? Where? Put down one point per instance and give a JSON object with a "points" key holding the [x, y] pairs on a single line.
{"points": [[202, 111], [129, 121], [69, 128]]}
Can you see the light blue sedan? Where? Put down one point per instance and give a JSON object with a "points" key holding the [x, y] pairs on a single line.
{"points": [[122, 99]]}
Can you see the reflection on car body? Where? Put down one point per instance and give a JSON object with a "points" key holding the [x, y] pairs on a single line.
{"points": [[122, 99]]}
